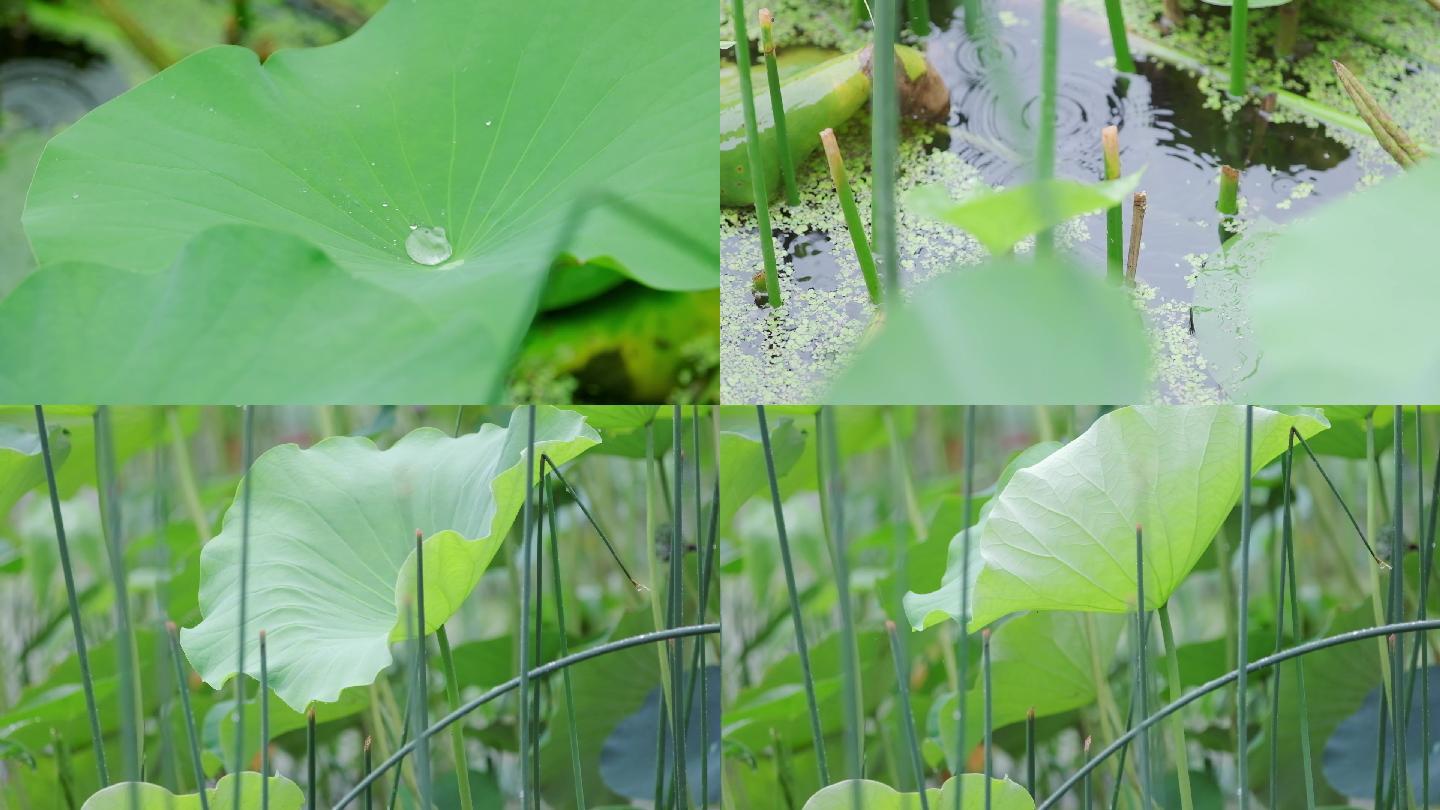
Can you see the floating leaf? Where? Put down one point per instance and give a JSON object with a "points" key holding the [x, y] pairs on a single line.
{"points": [[332, 540], [999, 219], [583, 130], [1061, 536], [284, 795], [1005, 795], [1351, 752], [1004, 332]]}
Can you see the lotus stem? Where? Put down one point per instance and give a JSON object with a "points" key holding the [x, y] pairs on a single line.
{"points": [[81, 653], [702, 566], [526, 800], [1285, 530], [1045, 128], [418, 694], [124, 636], [653, 471], [852, 215], [755, 158], [1392, 138], [539, 624], [247, 442], [312, 800], [1229, 202], [558, 580], [1224, 681], [784, 773], [907, 716], [1177, 728], [1239, 57], [1114, 218], [1119, 39], [989, 701], [1084, 782], [191, 734], [1030, 752], [369, 765], [777, 106], [1397, 611], [885, 126], [919, 17], [802, 647], [1137, 230], [963, 653], [264, 727], [1302, 701], [1142, 679], [828, 461], [457, 732], [677, 596], [1242, 730]]}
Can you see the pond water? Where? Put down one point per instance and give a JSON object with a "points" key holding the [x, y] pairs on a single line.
{"points": [[1172, 125]]}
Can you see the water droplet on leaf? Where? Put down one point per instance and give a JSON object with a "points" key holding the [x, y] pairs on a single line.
{"points": [[428, 246]]}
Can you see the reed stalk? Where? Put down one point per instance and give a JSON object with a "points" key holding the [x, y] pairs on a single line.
{"points": [[1177, 728], [1394, 140], [885, 129], [828, 459], [192, 735], [131, 728], [526, 800], [963, 653], [1114, 218], [1137, 230], [1142, 679], [1239, 36], [457, 732], [676, 591], [989, 702], [853, 222], [1397, 613], [754, 156], [1242, 730], [312, 784], [82, 656], [264, 699], [1030, 752], [419, 694], [1119, 39], [574, 733], [919, 17], [1045, 127], [907, 716], [777, 106], [802, 647]]}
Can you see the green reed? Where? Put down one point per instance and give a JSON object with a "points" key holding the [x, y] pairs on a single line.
{"points": [[754, 155], [777, 106], [884, 146], [907, 713]]}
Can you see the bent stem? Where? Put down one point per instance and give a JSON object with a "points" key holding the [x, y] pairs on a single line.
{"points": [[777, 106], [753, 154], [852, 214]]}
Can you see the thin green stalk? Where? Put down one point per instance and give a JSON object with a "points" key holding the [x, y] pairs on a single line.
{"points": [[831, 481], [546, 461], [526, 801], [457, 733], [1372, 528], [907, 715], [189, 490], [513, 684], [885, 128], [963, 653], [1242, 730], [191, 734], [1045, 127], [97, 740], [777, 106], [369, 765], [802, 647], [1302, 701], [989, 697], [539, 624], [1120, 772], [1115, 217], [1030, 752], [919, 17], [1381, 750], [1119, 39], [248, 456], [676, 591], [852, 215], [1085, 799], [419, 693], [1343, 505], [264, 726], [1177, 729], [312, 785], [754, 154], [784, 774], [1142, 679], [1427, 560], [1397, 612], [124, 637], [576, 771], [657, 615], [1239, 25], [702, 563]]}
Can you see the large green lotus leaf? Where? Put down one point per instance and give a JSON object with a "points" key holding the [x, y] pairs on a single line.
{"points": [[999, 219], [284, 795], [582, 130], [1330, 311], [22, 467], [926, 609], [1005, 795], [1047, 661], [1005, 332], [1061, 536], [332, 538]]}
